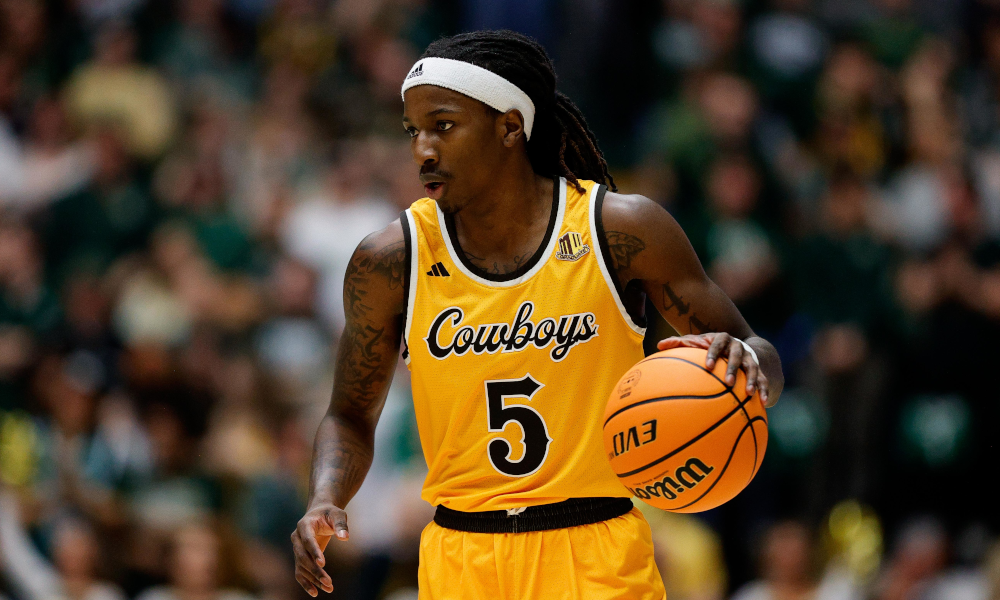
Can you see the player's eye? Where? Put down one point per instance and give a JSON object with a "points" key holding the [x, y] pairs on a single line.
{"points": [[444, 125], [412, 131]]}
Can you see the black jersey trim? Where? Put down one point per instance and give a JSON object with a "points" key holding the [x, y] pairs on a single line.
{"points": [[404, 221], [449, 221], [602, 239]]}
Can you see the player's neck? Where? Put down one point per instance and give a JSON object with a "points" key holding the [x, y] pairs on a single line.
{"points": [[514, 206]]}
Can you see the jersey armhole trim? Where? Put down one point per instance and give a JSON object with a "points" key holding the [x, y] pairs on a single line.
{"points": [[604, 261], [409, 276]]}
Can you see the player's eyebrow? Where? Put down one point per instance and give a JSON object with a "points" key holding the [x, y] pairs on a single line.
{"points": [[438, 111], [444, 110]]}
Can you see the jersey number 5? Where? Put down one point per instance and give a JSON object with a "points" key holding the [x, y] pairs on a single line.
{"points": [[534, 433]]}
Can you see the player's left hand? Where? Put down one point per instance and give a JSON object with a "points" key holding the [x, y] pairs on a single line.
{"points": [[723, 344]]}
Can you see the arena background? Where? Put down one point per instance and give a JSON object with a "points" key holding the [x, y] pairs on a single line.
{"points": [[182, 183]]}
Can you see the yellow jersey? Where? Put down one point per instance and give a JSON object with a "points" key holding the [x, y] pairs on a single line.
{"points": [[511, 374]]}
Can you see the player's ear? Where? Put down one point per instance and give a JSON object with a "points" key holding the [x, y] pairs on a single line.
{"points": [[511, 125]]}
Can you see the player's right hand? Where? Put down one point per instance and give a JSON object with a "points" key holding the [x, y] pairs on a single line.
{"points": [[309, 539]]}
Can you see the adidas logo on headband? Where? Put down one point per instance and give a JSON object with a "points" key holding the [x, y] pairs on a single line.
{"points": [[419, 70]]}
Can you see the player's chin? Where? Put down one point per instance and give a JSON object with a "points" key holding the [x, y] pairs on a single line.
{"points": [[447, 205]]}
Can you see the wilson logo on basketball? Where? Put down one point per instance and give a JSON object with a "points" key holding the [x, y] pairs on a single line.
{"points": [[571, 246], [623, 441], [685, 478], [565, 331]]}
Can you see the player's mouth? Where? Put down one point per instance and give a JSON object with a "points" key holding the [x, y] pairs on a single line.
{"points": [[434, 189]]}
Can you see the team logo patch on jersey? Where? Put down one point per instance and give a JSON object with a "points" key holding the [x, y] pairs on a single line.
{"points": [[571, 246]]}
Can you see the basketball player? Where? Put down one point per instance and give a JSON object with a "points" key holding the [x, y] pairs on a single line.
{"points": [[516, 288]]}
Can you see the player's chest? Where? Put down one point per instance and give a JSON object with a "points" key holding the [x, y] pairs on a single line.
{"points": [[562, 307]]}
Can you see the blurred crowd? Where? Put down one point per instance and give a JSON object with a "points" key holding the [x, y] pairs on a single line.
{"points": [[182, 183]]}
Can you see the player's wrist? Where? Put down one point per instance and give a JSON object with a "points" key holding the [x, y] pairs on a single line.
{"points": [[749, 350], [321, 501]]}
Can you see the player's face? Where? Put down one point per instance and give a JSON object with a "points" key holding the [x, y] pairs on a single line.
{"points": [[456, 142]]}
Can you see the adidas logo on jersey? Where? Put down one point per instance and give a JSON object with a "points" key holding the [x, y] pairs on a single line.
{"points": [[438, 270], [566, 331], [417, 71], [571, 246]]}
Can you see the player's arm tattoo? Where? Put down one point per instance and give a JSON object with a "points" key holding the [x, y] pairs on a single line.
{"points": [[369, 262], [671, 301], [366, 359], [696, 326], [623, 247], [676, 302]]}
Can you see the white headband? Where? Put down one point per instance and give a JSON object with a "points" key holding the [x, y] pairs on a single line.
{"points": [[475, 82]]}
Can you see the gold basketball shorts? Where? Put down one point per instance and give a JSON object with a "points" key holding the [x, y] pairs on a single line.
{"points": [[607, 560]]}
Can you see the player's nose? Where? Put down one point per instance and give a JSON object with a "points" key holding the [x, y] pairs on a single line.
{"points": [[424, 150]]}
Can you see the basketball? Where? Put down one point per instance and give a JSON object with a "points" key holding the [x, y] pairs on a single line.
{"points": [[678, 437]]}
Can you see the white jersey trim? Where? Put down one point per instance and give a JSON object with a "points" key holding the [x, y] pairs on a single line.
{"points": [[603, 266], [414, 278], [542, 261]]}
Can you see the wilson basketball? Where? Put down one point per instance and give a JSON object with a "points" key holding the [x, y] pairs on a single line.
{"points": [[678, 437]]}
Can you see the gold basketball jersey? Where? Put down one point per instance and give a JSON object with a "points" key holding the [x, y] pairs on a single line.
{"points": [[511, 374]]}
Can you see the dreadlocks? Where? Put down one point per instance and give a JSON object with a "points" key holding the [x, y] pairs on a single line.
{"points": [[561, 142]]}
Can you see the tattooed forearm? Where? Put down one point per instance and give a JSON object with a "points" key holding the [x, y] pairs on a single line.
{"points": [[341, 460], [671, 301], [345, 441], [623, 248], [676, 302], [366, 359], [696, 326]]}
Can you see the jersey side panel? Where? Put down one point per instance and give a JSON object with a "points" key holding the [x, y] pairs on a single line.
{"points": [[427, 289]]}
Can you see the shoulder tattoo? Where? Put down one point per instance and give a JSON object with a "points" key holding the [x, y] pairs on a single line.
{"points": [[388, 262], [623, 247]]}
